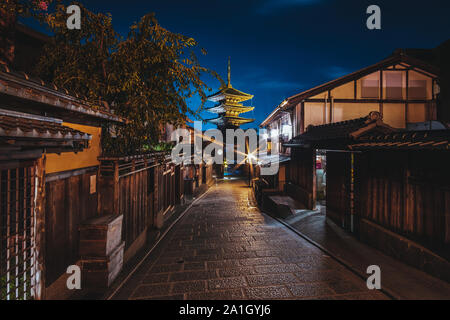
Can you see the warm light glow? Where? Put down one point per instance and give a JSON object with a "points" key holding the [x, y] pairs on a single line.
{"points": [[274, 133], [286, 130]]}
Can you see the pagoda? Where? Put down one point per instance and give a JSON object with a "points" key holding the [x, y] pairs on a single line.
{"points": [[229, 106]]}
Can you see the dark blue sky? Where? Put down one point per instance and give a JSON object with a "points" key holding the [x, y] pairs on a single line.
{"points": [[281, 47]]}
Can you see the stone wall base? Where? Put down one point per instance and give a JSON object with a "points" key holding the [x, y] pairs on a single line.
{"points": [[404, 250]]}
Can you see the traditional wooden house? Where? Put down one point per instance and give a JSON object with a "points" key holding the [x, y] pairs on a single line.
{"points": [[358, 148], [50, 143], [403, 89], [383, 184], [55, 180]]}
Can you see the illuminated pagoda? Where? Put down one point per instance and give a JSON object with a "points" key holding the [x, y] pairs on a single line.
{"points": [[229, 106]]}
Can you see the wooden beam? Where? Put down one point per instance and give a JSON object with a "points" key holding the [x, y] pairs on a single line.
{"points": [[337, 100], [331, 105], [302, 118], [381, 92], [407, 97]]}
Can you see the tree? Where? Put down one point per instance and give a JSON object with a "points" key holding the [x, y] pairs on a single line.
{"points": [[146, 77], [9, 11]]}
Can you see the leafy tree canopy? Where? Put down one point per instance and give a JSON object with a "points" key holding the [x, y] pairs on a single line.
{"points": [[147, 76]]}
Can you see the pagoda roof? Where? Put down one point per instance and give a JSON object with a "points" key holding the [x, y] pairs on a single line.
{"points": [[222, 108], [230, 120], [229, 91]]}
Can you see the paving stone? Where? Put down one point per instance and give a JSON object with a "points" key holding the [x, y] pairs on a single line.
{"points": [[235, 272], [345, 286], [271, 279], [260, 261], [226, 283], [321, 276], [310, 290], [166, 268], [268, 293], [239, 255], [192, 275], [152, 290], [188, 266], [156, 278], [223, 249], [217, 295], [187, 287], [277, 268], [222, 264]]}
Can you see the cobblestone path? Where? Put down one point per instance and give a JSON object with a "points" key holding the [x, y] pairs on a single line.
{"points": [[224, 248]]}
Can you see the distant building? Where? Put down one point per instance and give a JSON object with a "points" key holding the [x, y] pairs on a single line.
{"points": [[229, 106]]}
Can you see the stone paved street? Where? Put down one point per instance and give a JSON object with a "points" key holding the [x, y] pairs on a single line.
{"points": [[224, 248]]}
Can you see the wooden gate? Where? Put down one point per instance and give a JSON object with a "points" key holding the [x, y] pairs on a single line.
{"points": [[302, 177], [339, 188]]}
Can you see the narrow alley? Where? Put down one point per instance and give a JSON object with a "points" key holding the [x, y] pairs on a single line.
{"points": [[224, 248]]}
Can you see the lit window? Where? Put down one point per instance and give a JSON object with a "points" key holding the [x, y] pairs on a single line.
{"points": [[287, 130], [274, 133], [394, 86], [417, 89], [370, 88]]}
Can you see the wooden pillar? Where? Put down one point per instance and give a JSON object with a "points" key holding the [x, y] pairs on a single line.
{"points": [[302, 118], [330, 97], [407, 97], [39, 272], [381, 93], [314, 181], [108, 191]]}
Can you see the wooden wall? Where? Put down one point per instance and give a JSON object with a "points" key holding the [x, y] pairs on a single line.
{"points": [[140, 190], [407, 193], [301, 174], [68, 202], [144, 190], [338, 187], [136, 192]]}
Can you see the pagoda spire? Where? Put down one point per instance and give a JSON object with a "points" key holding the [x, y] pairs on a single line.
{"points": [[229, 73], [229, 105]]}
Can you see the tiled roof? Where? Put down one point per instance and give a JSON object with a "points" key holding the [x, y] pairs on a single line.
{"points": [[17, 125], [230, 91], [21, 85], [370, 133], [432, 139], [335, 131]]}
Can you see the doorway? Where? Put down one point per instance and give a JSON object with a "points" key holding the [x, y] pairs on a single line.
{"points": [[321, 177]]}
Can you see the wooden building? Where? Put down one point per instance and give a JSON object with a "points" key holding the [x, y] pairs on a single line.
{"points": [[50, 143], [54, 179], [384, 184], [402, 88]]}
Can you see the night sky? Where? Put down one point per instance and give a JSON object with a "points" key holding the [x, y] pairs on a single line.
{"points": [[282, 47]]}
